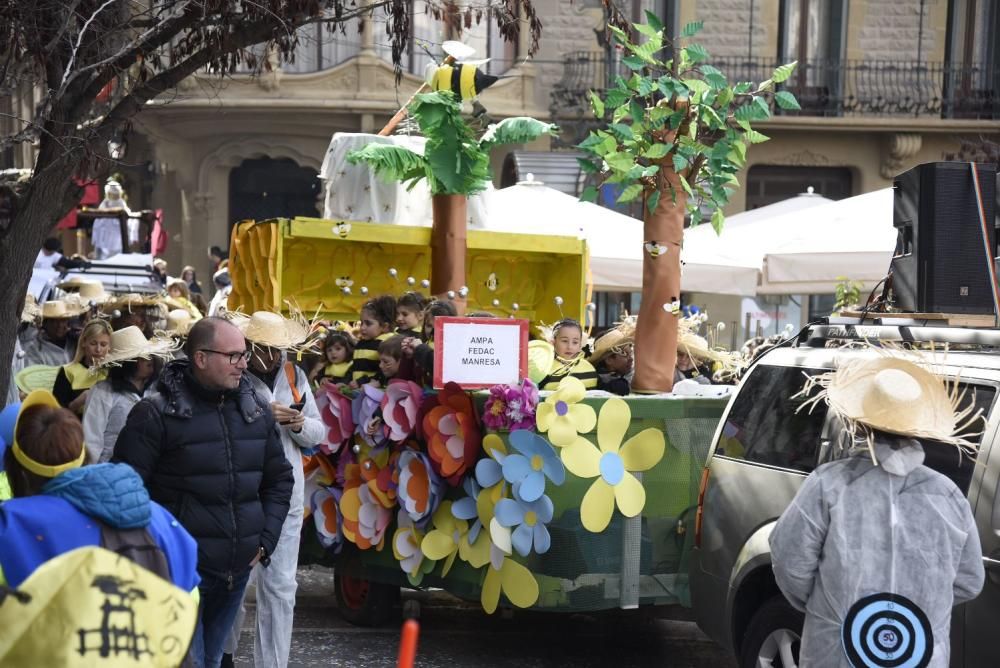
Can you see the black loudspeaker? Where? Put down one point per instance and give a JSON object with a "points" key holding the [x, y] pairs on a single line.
{"points": [[940, 263]]}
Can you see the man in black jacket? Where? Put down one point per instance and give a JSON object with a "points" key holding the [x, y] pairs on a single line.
{"points": [[207, 447]]}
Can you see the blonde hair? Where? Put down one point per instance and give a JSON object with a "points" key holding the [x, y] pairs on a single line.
{"points": [[92, 329]]}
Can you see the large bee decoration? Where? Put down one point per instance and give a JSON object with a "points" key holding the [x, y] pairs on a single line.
{"points": [[459, 74]]}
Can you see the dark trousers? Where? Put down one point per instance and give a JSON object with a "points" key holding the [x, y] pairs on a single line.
{"points": [[217, 609]]}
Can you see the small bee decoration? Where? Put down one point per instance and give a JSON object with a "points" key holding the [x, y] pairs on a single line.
{"points": [[655, 249], [342, 229], [344, 282], [491, 282], [673, 307], [458, 73]]}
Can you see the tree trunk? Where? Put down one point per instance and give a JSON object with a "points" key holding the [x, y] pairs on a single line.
{"points": [[448, 244], [656, 329]]}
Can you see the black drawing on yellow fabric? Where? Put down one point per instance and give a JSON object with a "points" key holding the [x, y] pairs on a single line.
{"points": [[117, 633], [655, 249], [171, 644], [19, 596]]}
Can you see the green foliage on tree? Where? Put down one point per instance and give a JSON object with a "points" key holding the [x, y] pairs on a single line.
{"points": [[848, 294], [454, 162], [675, 111]]}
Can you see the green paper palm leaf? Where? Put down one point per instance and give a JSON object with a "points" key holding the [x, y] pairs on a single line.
{"points": [[517, 130], [392, 163]]}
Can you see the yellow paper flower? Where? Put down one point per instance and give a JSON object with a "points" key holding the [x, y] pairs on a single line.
{"points": [[513, 579], [561, 414], [612, 465], [445, 539]]}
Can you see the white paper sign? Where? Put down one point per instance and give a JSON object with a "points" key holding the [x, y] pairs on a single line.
{"points": [[479, 352]]}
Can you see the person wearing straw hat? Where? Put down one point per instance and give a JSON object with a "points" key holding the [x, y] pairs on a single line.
{"points": [[132, 310], [132, 366], [877, 548], [615, 349], [74, 380], [178, 291], [60, 505], [271, 337], [207, 446], [50, 344]]}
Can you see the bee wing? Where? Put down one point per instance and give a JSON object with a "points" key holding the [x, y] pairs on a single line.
{"points": [[458, 50]]}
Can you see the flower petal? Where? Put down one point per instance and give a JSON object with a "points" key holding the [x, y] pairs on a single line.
{"points": [[630, 495], [490, 596], [508, 513], [644, 450], [522, 441], [554, 469], [437, 545], [542, 539], [532, 486], [543, 508], [563, 431], [583, 417], [515, 468], [570, 390], [521, 539], [488, 472], [614, 422], [582, 459], [518, 584], [500, 536], [477, 554], [493, 442], [596, 508], [464, 508], [544, 415]]}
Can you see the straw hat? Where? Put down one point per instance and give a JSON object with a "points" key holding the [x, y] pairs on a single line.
{"points": [[615, 340], [62, 309], [274, 330], [73, 283], [130, 301], [31, 311], [179, 322], [899, 393], [129, 343]]}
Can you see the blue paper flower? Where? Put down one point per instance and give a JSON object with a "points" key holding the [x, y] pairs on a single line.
{"points": [[534, 461], [465, 508], [528, 520]]}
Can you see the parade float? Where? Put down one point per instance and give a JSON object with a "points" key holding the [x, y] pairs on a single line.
{"points": [[565, 500]]}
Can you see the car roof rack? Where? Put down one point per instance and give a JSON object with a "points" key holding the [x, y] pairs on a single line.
{"points": [[895, 330]]}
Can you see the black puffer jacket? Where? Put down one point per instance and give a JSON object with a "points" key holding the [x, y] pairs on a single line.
{"points": [[215, 461]]}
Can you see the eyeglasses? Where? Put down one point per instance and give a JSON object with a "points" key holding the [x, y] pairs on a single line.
{"points": [[234, 358]]}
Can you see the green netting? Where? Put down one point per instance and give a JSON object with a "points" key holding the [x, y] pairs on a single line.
{"points": [[586, 571]]}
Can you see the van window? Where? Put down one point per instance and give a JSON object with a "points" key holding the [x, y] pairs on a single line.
{"points": [[765, 424]]}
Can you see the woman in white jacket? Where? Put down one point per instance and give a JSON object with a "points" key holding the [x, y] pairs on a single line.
{"points": [[134, 365]]}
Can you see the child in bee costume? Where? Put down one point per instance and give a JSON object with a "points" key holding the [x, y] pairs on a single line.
{"points": [[876, 548]]}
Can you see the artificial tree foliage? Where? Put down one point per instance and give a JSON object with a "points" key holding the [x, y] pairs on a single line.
{"points": [[455, 164], [677, 134]]}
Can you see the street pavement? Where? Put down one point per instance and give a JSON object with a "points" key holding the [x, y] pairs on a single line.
{"points": [[457, 634]]}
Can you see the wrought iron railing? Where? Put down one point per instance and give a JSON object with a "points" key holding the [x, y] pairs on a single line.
{"points": [[824, 88]]}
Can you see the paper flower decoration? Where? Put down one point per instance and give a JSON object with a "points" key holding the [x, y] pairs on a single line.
{"points": [[400, 407], [534, 461], [562, 416], [452, 433], [326, 515], [444, 540], [335, 410], [612, 466], [528, 521], [420, 488], [406, 548], [378, 470], [474, 547], [366, 409], [511, 406], [365, 519], [510, 578]]}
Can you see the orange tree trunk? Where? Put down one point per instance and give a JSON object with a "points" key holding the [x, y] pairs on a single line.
{"points": [[448, 244], [656, 329]]}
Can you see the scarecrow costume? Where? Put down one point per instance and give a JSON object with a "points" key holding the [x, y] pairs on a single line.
{"points": [[287, 385], [617, 341], [38, 350], [876, 548]]}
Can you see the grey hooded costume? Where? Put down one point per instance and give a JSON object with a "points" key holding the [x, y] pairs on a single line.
{"points": [[855, 530]]}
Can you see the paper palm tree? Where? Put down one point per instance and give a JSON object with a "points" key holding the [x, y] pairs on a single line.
{"points": [[455, 164]]}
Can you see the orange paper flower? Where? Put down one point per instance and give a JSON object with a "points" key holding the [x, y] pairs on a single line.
{"points": [[451, 430]]}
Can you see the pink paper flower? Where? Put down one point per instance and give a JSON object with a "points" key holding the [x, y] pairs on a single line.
{"points": [[400, 408], [511, 407], [335, 410]]}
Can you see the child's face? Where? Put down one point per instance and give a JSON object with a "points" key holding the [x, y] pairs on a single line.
{"points": [[370, 327], [336, 353], [685, 362], [389, 365], [568, 341], [407, 318], [174, 292], [429, 328]]}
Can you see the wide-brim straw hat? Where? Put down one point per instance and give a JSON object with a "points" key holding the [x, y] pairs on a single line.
{"points": [[129, 343], [614, 340], [62, 309], [130, 302], [899, 393], [31, 310], [273, 330]]}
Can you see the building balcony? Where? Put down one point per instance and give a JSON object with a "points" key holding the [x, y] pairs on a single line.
{"points": [[828, 89]]}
